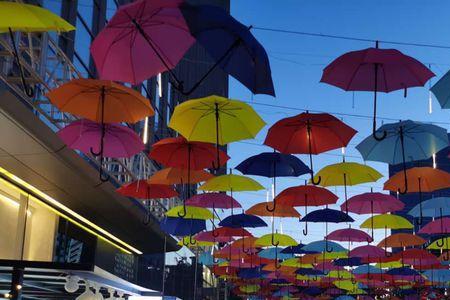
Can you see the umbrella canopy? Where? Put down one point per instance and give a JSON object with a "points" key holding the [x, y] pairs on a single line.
{"points": [[283, 211], [417, 257], [435, 207], [349, 235], [231, 45], [402, 240], [367, 269], [273, 164], [101, 101], [191, 242], [171, 176], [367, 251], [439, 244], [233, 120], [213, 200], [347, 173], [387, 221], [441, 225], [327, 215], [242, 220], [321, 246], [310, 134], [182, 227], [134, 46], [370, 203], [209, 236], [272, 253], [179, 153], [192, 212], [430, 180], [377, 70], [440, 90], [275, 239], [141, 189], [306, 195], [230, 183], [112, 140]]}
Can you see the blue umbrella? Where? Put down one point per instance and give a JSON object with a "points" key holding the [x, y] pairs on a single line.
{"points": [[312, 291], [367, 269], [405, 141], [251, 273], [295, 250], [181, 226], [231, 45], [435, 207], [273, 165], [274, 252], [327, 215], [279, 281], [345, 297], [322, 246], [441, 91], [439, 275], [242, 220], [403, 271], [351, 262], [308, 272]]}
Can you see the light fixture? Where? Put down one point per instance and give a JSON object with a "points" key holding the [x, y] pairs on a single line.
{"points": [[71, 285], [87, 294], [18, 287]]}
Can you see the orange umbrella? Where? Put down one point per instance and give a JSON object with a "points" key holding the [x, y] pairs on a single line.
{"points": [[402, 240], [420, 179], [171, 176], [282, 211], [101, 101]]}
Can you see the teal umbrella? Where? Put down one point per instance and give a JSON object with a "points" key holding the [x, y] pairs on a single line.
{"points": [[405, 141], [442, 91], [433, 208]]}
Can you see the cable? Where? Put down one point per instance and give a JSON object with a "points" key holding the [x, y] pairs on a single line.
{"points": [[349, 38]]}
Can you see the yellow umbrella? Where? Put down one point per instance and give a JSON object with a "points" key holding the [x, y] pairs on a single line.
{"points": [[387, 221], [347, 285], [276, 239], [216, 119], [28, 18], [332, 255], [251, 288], [189, 241], [295, 262], [389, 265], [341, 274], [192, 212], [230, 183], [444, 242]]}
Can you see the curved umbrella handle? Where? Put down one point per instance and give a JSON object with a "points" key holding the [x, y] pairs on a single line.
{"points": [[191, 240], [273, 242], [182, 215], [104, 177], [273, 208], [95, 153], [186, 244], [313, 181], [379, 138], [146, 219], [402, 192], [329, 250], [439, 244], [445, 256], [305, 230]]}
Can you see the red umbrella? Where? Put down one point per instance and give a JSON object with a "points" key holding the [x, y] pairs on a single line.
{"points": [[179, 153], [309, 133], [438, 226], [140, 189], [306, 195], [377, 70], [349, 235]]}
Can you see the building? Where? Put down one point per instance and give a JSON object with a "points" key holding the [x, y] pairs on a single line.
{"points": [[56, 218]]}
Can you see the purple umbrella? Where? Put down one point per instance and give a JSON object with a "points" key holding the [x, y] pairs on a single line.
{"points": [[142, 39], [87, 136]]}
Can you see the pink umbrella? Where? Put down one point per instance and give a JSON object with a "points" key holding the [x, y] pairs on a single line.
{"points": [[349, 235], [368, 251], [377, 70], [370, 203], [142, 39], [441, 225], [110, 140], [207, 236], [213, 200]]}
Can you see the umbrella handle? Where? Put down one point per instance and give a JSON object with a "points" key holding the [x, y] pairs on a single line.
{"points": [[273, 208], [305, 231], [185, 212], [328, 250], [439, 244], [103, 176], [314, 278], [214, 232], [275, 244], [313, 181], [192, 241], [445, 256], [379, 138], [184, 243], [353, 280]]}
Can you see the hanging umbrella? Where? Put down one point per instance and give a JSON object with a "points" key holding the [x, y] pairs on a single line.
{"points": [[417, 258], [324, 246], [134, 46], [306, 195], [377, 70], [438, 226], [370, 203], [349, 235], [432, 208], [170, 176], [273, 165], [275, 239], [232, 121], [326, 216], [402, 240], [208, 236], [192, 243], [347, 173], [367, 251], [107, 140], [310, 134], [179, 153], [420, 179], [182, 227], [231, 45], [404, 141], [440, 90], [242, 220], [28, 18], [141, 189]]}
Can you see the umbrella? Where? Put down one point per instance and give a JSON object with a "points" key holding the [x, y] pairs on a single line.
{"points": [[347, 173], [440, 90], [377, 70], [420, 179], [349, 235], [192, 212], [28, 18], [306, 195], [134, 46], [191, 242], [402, 240], [182, 227], [297, 249], [273, 165], [222, 234], [310, 134], [438, 226], [232, 47], [370, 203], [242, 220], [404, 141], [434, 207], [141, 189], [110, 140], [323, 246], [232, 120], [171, 176], [326, 216]]}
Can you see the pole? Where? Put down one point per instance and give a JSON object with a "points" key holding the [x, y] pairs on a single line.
{"points": [[17, 283], [164, 268], [195, 273]]}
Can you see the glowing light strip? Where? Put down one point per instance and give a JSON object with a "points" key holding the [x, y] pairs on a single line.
{"points": [[72, 215]]}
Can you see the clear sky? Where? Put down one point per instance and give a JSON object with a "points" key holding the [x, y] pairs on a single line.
{"points": [[297, 63]]}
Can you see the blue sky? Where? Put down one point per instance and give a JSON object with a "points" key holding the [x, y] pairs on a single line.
{"points": [[297, 63]]}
